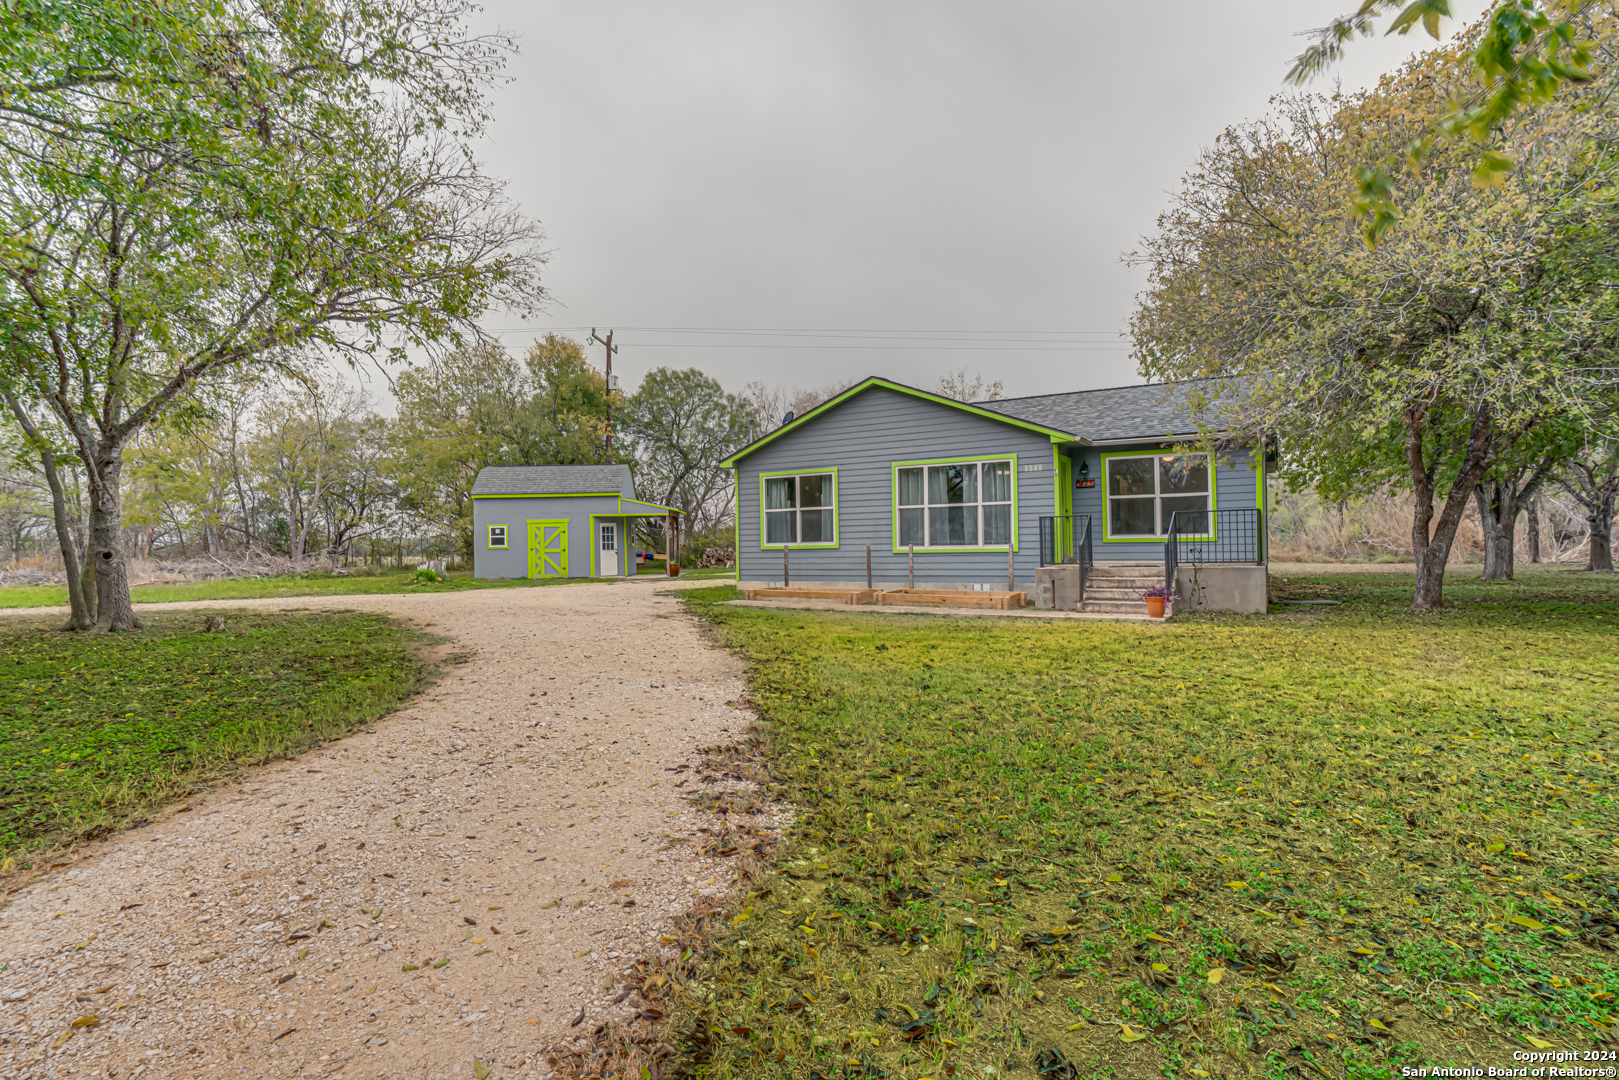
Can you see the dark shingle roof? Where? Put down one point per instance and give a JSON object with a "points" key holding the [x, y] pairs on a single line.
{"points": [[553, 480], [1149, 411]]}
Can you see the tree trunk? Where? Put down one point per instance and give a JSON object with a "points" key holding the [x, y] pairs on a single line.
{"points": [[1498, 514], [1533, 529], [1601, 557], [80, 616], [1431, 539], [115, 611], [1595, 486]]}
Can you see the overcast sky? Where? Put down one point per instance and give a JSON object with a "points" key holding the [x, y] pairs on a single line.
{"points": [[956, 181]]}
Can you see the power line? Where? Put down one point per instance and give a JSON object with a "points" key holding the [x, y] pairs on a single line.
{"points": [[882, 348], [807, 330]]}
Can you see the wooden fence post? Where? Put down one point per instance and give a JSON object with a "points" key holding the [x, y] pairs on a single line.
{"points": [[1011, 579], [911, 560], [786, 571], [868, 566]]}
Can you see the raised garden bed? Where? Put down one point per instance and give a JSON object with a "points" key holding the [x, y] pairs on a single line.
{"points": [[951, 598], [842, 596]]}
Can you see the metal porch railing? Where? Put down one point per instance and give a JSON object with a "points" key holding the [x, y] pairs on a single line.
{"points": [[1066, 540], [1237, 536]]}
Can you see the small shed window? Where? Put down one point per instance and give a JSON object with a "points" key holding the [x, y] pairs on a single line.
{"points": [[1145, 490], [801, 509], [955, 504], [497, 536]]}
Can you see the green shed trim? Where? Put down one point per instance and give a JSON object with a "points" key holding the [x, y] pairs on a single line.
{"points": [[557, 495], [538, 553]]}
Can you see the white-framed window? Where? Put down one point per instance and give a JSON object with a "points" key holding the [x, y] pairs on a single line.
{"points": [[497, 536], [954, 504], [801, 509], [609, 535], [1145, 490]]}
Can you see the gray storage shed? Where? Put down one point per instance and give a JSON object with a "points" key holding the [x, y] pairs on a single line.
{"points": [[562, 521]]}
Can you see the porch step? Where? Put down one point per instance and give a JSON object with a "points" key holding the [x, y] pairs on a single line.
{"points": [[1116, 588], [1113, 607], [1110, 592]]}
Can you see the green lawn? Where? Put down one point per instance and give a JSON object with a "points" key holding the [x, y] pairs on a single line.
{"points": [[1330, 841], [312, 584], [99, 730], [712, 573]]}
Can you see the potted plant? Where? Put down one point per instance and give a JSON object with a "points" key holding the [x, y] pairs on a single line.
{"points": [[1155, 599]]}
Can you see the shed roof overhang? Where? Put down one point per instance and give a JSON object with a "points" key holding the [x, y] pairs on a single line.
{"points": [[1056, 435], [642, 508], [622, 506]]}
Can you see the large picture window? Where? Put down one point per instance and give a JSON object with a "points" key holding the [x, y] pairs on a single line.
{"points": [[1145, 490], [801, 509], [954, 504]]}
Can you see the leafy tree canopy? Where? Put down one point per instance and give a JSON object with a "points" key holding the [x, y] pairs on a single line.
{"points": [[1433, 356], [188, 186]]}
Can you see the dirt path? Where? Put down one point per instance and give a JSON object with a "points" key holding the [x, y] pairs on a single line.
{"points": [[516, 821]]}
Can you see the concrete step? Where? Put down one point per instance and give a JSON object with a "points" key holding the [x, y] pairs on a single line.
{"points": [[1133, 595], [1120, 607]]}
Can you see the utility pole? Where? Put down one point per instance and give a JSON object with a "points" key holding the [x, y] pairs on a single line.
{"points": [[612, 385]]}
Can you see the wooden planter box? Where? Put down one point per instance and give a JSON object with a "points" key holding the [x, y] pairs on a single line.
{"points": [[842, 596], [963, 598]]}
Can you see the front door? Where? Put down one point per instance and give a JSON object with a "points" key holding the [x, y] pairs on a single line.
{"points": [[547, 549], [607, 553]]}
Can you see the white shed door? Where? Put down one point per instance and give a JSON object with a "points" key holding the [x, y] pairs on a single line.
{"points": [[607, 554]]}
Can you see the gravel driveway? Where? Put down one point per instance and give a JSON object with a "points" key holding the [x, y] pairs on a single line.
{"points": [[518, 834]]}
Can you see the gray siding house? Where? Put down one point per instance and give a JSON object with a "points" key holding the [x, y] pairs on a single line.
{"points": [[967, 495], [563, 521]]}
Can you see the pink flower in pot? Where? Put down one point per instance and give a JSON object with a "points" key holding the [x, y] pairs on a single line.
{"points": [[1155, 599]]}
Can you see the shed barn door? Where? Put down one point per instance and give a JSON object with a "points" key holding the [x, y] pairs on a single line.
{"points": [[547, 549]]}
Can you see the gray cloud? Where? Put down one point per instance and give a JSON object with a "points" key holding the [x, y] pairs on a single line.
{"points": [[905, 166]]}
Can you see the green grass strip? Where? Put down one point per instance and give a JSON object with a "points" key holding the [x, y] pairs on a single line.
{"points": [[361, 582], [99, 730]]}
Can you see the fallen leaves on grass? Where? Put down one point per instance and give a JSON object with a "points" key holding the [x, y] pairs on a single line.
{"points": [[990, 838]]}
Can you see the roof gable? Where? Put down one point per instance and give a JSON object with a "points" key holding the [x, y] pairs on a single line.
{"points": [[976, 408]]}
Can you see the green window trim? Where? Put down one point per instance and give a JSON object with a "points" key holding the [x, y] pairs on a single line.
{"points": [[505, 538], [765, 545], [893, 487], [1158, 538]]}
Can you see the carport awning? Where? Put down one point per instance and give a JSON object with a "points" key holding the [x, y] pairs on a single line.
{"points": [[637, 508]]}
